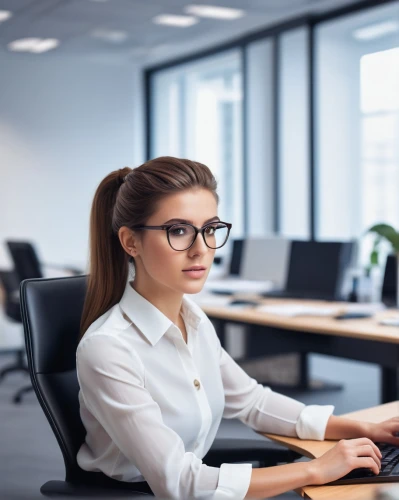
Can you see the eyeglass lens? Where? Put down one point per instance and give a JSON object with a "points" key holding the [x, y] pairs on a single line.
{"points": [[181, 236]]}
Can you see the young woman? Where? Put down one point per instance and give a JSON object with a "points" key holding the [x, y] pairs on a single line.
{"points": [[155, 381]]}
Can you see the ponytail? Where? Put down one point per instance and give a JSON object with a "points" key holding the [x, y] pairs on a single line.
{"points": [[109, 266]]}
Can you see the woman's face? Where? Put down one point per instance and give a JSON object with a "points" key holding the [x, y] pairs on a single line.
{"points": [[160, 267]]}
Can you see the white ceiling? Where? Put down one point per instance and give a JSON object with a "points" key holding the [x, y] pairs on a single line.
{"points": [[73, 21]]}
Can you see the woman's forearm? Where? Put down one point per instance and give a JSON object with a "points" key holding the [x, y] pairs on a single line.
{"points": [[270, 481], [345, 428]]}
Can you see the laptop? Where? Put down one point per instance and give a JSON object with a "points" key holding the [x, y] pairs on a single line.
{"points": [[317, 270], [389, 469]]}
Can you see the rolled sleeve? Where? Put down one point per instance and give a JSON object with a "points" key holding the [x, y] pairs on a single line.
{"points": [[312, 422], [234, 481], [256, 406]]}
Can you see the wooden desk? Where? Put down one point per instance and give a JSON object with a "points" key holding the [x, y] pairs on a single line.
{"points": [[358, 339], [314, 449]]}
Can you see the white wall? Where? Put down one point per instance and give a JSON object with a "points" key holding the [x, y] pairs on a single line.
{"points": [[64, 124]]}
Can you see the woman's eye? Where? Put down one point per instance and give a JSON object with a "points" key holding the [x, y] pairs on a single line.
{"points": [[210, 230], [178, 231]]}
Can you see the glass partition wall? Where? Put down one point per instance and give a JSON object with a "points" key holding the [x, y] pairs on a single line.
{"points": [[357, 124], [299, 123]]}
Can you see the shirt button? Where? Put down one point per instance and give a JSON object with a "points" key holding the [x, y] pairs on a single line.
{"points": [[197, 384]]}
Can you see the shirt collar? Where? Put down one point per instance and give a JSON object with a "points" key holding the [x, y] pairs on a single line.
{"points": [[150, 320]]}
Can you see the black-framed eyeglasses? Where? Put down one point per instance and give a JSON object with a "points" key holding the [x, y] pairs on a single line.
{"points": [[181, 236]]}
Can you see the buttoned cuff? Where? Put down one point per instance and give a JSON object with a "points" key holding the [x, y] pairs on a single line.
{"points": [[234, 481], [312, 422]]}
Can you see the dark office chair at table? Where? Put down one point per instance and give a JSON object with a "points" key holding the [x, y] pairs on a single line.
{"points": [[390, 282], [236, 257], [27, 263], [10, 284], [51, 311]]}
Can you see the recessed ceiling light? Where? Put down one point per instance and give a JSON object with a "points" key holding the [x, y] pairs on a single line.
{"points": [[23, 44], [376, 30], [178, 21], [33, 45], [45, 45], [4, 15], [113, 36], [214, 12]]}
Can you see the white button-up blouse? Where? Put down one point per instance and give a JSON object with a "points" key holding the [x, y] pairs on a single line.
{"points": [[152, 404]]}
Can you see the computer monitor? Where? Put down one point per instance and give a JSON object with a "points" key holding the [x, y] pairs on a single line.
{"points": [[266, 259], [390, 283], [318, 268]]}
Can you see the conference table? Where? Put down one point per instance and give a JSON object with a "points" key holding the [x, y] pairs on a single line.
{"points": [[314, 449], [361, 339]]}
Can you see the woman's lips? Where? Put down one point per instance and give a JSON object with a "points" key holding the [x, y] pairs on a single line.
{"points": [[195, 272]]}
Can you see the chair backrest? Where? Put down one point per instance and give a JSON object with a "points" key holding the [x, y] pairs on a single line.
{"points": [[319, 267], [390, 282], [236, 257], [51, 312], [26, 262]]}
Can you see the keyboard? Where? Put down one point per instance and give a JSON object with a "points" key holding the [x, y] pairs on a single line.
{"points": [[287, 294], [389, 469]]}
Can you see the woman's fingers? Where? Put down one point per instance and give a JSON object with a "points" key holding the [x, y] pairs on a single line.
{"points": [[366, 442], [391, 440], [368, 451], [367, 463]]}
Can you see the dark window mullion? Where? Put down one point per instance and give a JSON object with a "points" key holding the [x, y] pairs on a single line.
{"points": [[276, 131]]}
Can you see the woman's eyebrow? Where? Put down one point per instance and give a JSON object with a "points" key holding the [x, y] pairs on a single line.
{"points": [[185, 221]]}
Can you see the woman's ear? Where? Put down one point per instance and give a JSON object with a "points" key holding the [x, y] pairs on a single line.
{"points": [[129, 240]]}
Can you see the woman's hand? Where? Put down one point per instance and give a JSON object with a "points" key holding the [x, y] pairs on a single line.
{"points": [[384, 432], [345, 456], [345, 428]]}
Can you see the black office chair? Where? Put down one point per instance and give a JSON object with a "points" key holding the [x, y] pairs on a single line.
{"points": [[390, 282], [10, 284], [51, 311], [235, 264], [27, 263]]}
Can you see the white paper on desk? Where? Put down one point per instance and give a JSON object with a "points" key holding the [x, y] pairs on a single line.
{"points": [[364, 307], [392, 321], [205, 298], [239, 286], [297, 310]]}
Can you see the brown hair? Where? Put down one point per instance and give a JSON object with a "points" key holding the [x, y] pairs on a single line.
{"points": [[128, 197]]}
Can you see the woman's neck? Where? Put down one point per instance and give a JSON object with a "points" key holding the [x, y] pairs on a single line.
{"points": [[167, 301]]}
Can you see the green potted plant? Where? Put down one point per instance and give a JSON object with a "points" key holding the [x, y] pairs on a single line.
{"points": [[386, 232]]}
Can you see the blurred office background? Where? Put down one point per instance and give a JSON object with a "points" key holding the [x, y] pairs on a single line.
{"points": [[293, 104]]}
